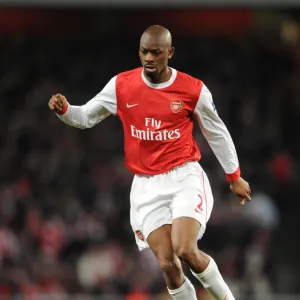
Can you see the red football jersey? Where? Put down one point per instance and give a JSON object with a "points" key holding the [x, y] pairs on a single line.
{"points": [[157, 122]]}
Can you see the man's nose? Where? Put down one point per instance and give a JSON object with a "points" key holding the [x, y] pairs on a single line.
{"points": [[149, 57]]}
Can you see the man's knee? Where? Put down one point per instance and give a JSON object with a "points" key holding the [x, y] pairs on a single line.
{"points": [[172, 270], [186, 253], [192, 256], [169, 266], [168, 261]]}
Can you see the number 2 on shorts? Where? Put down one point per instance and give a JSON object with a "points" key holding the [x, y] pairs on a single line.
{"points": [[199, 208]]}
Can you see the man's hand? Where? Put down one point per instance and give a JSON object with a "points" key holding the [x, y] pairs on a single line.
{"points": [[241, 189], [58, 103]]}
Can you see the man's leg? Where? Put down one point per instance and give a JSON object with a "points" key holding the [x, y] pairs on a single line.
{"points": [[184, 239], [179, 287]]}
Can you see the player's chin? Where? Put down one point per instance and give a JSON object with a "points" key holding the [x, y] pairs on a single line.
{"points": [[150, 73]]}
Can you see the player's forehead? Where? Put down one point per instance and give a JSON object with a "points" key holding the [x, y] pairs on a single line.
{"points": [[149, 41]]}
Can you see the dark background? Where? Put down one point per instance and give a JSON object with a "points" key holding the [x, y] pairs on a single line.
{"points": [[64, 193]]}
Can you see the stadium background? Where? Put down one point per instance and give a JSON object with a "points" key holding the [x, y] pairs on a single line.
{"points": [[64, 193]]}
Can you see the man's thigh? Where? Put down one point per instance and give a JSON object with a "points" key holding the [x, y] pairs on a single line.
{"points": [[185, 233], [194, 200], [159, 240]]}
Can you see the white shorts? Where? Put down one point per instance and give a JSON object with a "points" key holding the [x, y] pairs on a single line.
{"points": [[157, 200]]}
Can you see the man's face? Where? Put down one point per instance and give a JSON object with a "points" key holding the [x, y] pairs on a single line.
{"points": [[154, 55]]}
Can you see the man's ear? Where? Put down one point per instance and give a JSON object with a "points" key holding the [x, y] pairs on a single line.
{"points": [[171, 52]]}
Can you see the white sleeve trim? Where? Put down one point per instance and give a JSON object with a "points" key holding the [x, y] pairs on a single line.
{"points": [[215, 132]]}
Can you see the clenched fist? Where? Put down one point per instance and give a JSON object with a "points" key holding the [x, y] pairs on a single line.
{"points": [[58, 103]]}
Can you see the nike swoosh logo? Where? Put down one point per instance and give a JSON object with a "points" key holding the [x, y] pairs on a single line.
{"points": [[131, 105]]}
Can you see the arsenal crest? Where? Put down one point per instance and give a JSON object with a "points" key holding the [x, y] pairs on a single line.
{"points": [[176, 105]]}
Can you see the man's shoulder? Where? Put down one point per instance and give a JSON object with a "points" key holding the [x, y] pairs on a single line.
{"points": [[127, 79], [189, 79], [130, 73]]}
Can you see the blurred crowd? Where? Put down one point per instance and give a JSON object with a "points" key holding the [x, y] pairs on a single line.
{"points": [[64, 193]]}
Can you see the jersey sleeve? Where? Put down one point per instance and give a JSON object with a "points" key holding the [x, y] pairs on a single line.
{"points": [[95, 110], [217, 134]]}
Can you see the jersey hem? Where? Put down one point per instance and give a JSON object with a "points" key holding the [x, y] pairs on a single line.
{"points": [[180, 164]]}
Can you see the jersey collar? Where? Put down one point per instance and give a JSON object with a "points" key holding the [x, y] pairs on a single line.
{"points": [[160, 85]]}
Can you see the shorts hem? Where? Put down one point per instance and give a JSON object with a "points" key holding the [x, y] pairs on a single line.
{"points": [[143, 244]]}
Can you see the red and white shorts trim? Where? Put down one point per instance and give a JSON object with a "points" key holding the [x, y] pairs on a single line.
{"points": [[157, 200]]}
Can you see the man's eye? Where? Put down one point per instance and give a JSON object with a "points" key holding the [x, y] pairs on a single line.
{"points": [[144, 52]]}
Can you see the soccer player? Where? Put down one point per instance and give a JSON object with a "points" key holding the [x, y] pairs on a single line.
{"points": [[171, 199]]}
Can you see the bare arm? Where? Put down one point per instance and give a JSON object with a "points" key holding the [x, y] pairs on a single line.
{"points": [[89, 114]]}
